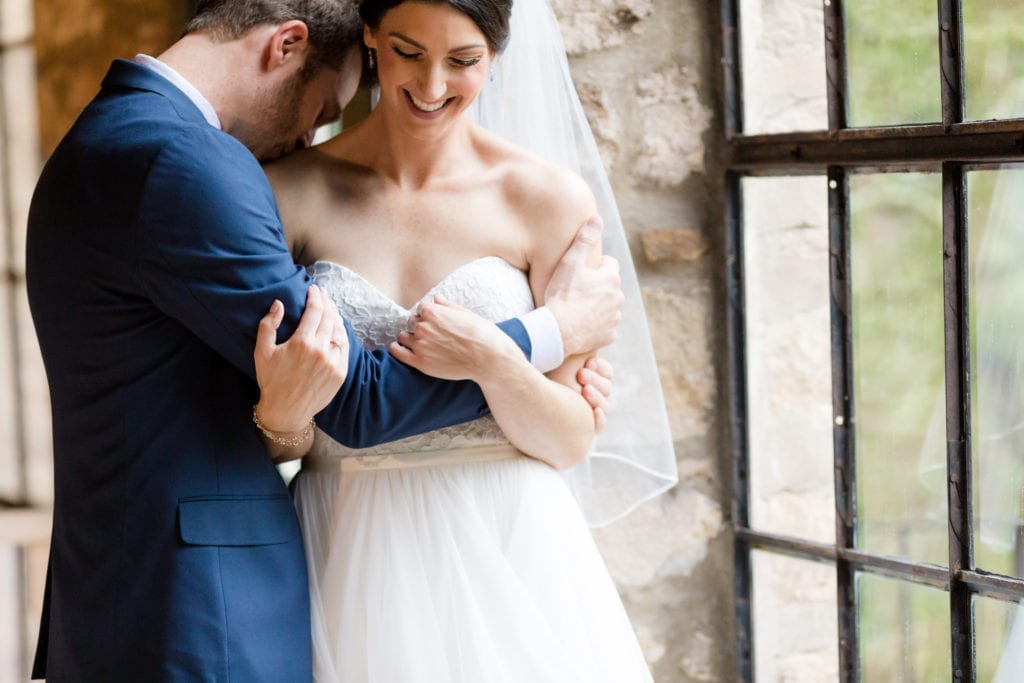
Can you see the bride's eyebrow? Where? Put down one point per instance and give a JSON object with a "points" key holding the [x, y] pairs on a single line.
{"points": [[407, 39], [396, 34]]}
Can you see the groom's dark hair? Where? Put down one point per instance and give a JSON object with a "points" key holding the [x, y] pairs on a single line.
{"points": [[334, 25], [490, 16]]}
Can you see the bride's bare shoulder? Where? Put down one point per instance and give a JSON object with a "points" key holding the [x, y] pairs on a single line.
{"points": [[309, 172], [552, 201]]}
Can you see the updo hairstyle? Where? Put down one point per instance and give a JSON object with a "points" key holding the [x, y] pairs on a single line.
{"points": [[490, 16]]}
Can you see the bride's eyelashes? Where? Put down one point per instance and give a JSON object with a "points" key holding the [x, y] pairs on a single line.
{"points": [[412, 56], [406, 55]]}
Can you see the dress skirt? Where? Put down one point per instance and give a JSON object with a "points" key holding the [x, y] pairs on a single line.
{"points": [[467, 567]]}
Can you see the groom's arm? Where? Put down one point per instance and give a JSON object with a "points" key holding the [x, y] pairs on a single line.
{"points": [[212, 255]]}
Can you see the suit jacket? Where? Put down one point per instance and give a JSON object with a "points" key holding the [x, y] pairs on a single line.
{"points": [[154, 248]]}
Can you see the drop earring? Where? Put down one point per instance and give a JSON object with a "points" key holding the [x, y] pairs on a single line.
{"points": [[491, 72], [373, 62]]}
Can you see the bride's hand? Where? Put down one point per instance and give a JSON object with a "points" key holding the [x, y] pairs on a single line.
{"points": [[299, 378], [449, 342], [595, 378]]}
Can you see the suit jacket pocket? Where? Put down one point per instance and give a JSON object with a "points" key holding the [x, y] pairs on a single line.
{"points": [[237, 520]]}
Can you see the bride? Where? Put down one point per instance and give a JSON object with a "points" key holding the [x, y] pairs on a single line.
{"points": [[462, 554]]}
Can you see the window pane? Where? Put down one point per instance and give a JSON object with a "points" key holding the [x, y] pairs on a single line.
{"points": [[998, 640], [783, 55], [789, 381], [794, 614], [997, 337], [993, 58], [893, 62], [899, 364], [904, 631]]}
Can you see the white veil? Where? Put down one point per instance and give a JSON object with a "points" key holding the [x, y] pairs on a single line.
{"points": [[532, 102]]}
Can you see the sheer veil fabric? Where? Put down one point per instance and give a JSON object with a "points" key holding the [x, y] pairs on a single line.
{"points": [[532, 103]]}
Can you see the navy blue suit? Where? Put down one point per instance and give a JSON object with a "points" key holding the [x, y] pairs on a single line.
{"points": [[154, 248]]}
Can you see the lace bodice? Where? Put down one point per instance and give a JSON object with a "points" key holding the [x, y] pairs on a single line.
{"points": [[490, 287]]}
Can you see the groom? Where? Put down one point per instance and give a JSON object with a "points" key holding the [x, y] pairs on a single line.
{"points": [[154, 248]]}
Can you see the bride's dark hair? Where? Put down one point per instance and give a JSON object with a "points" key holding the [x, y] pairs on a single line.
{"points": [[490, 16]]}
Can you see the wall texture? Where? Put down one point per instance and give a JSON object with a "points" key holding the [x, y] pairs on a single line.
{"points": [[75, 42], [646, 75]]}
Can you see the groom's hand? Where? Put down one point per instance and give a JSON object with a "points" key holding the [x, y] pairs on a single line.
{"points": [[585, 300]]}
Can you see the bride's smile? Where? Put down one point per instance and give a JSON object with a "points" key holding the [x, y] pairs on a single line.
{"points": [[432, 62], [429, 108]]}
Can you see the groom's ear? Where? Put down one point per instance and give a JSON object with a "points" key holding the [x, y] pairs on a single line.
{"points": [[288, 45]]}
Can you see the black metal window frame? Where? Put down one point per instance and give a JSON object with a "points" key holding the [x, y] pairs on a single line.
{"points": [[953, 146]]}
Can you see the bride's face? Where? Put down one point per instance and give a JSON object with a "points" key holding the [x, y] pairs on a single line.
{"points": [[432, 61]]}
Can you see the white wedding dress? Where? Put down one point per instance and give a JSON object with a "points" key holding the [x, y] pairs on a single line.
{"points": [[450, 556]]}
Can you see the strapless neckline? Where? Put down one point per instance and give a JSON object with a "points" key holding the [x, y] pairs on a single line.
{"points": [[489, 286], [482, 262]]}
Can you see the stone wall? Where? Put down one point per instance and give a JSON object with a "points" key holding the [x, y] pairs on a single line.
{"points": [[645, 72], [77, 39]]}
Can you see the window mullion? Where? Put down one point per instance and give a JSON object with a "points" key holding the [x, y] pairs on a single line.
{"points": [[843, 424], [739, 442], [951, 62], [835, 66], [732, 73], [743, 580], [958, 417]]}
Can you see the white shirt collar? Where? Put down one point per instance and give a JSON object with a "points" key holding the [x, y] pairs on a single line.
{"points": [[209, 113]]}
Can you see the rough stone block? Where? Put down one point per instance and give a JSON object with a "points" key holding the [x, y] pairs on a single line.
{"points": [[589, 25], [667, 537], [603, 117], [674, 122], [675, 245], [679, 327]]}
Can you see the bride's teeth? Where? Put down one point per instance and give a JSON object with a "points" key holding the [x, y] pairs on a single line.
{"points": [[425, 106]]}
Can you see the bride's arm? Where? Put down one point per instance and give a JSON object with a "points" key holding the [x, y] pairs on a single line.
{"points": [[559, 412], [541, 418], [548, 418]]}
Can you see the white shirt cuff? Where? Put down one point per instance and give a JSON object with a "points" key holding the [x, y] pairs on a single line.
{"points": [[545, 339]]}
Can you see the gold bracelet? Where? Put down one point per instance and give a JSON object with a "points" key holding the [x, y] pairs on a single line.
{"points": [[284, 440]]}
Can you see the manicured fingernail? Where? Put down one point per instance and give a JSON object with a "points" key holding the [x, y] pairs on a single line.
{"points": [[276, 306]]}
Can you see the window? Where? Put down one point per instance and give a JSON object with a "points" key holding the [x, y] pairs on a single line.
{"points": [[875, 296]]}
